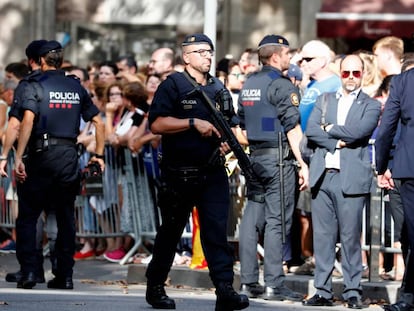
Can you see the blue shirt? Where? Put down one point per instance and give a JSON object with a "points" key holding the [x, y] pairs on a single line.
{"points": [[312, 91]]}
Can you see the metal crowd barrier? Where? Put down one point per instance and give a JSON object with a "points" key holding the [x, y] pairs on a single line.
{"points": [[8, 198], [376, 237], [99, 214], [102, 214], [144, 211]]}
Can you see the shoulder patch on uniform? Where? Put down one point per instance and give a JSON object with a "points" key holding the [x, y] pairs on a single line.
{"points": [[294, 99]]}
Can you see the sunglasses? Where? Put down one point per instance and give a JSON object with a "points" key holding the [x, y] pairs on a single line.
{"points": [[203, 52], [346, 73], [308, 59]]}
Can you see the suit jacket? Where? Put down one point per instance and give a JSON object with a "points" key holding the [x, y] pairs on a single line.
{"points": [[399, 106], [355, 164]]}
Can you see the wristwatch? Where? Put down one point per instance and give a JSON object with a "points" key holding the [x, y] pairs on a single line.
{"points": [[191, 122], [98, 156]]}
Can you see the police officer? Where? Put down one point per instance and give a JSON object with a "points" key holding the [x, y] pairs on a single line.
{"points": [[191, 177], [15, 117], [52, 104], [268, 105]]}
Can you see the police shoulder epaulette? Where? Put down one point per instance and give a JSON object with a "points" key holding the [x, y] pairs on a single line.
{"points": [[73, 77], [274, 74], [32, 76]]}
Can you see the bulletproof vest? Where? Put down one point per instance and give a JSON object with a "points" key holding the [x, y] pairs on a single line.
{"points": [[59, 105], [260, 115]]}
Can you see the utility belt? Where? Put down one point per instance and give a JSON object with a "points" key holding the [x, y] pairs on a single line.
{"points": [[287, 153], [185, 175], [42, 144], [258, 144]]}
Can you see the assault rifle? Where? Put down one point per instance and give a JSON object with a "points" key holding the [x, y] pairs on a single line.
{"points": [[255, 190]]}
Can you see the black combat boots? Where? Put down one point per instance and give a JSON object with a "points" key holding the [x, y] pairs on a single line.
{"points": [[228, 299], [157, 297]]}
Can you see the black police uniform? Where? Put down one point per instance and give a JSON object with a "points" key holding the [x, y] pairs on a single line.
{"points": [[16, 111], [53, 177], [267, 105], [190, 181]]}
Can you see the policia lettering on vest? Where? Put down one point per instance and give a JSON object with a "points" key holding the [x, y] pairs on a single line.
{"points": [[269, 117], [49, 176]]}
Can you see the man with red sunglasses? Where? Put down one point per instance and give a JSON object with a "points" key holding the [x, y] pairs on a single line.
{"points": [[341, 179]]}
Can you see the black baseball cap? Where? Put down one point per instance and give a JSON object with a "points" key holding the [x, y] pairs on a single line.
{"points": [[273, 40], [49, 46], [197, 38], [32, 49]]}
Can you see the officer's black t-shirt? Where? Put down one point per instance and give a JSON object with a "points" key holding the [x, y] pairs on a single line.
{"points": [[174, 98], [23, 87]]}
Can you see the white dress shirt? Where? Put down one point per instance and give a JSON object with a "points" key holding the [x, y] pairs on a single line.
{"points": [[344, 104]]}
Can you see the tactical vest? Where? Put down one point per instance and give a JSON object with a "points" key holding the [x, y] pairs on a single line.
{"points": [[260, 115], [59, 105]]}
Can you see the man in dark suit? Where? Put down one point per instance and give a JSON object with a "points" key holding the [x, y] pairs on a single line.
{"points": [[341, 180], [398, 107]]}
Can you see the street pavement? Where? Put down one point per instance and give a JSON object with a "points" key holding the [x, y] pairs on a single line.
{"points": [[101, 286]]}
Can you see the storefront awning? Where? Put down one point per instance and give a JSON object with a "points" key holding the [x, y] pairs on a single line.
{"points": [[365, 18]]}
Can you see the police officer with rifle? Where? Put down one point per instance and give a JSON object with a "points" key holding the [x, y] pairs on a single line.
{"points": [[269, 116], [192, 175]]}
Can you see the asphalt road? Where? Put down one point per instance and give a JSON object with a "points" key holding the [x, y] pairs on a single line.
{"points": [[97, 297], [101, 286]]}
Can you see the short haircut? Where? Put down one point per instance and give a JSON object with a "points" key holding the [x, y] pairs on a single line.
{"points": [[394, 44], [19, 70], [267, 51], [130, 61], [136, 93], [110, 64], [318, 48]]}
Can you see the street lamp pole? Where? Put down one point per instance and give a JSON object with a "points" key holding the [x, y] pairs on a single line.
{"points": [[210, 27]]}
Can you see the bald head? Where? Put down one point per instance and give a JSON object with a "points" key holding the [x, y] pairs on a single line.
{"points": [[162, 62]]}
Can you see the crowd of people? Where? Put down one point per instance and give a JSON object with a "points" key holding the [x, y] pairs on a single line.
{"points": [[279, 94]]}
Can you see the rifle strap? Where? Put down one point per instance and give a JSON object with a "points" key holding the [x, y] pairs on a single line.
{"points": [[191, 80]]}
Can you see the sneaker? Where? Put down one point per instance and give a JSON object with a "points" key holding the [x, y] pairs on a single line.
{"points": [[8, 247], [116, 255], [84, 256]]}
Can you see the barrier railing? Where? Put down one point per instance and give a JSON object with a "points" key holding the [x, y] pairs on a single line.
{"points": [[8, 197], [98, 213], [101, 214]]}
